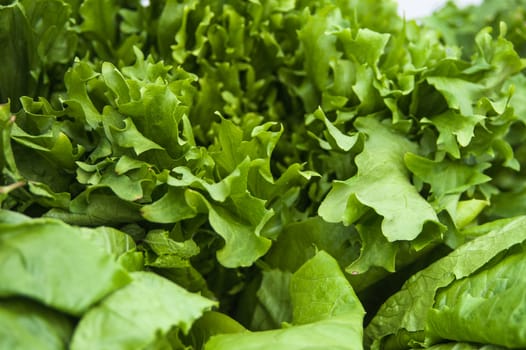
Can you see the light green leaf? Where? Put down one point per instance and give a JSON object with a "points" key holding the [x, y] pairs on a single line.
{"points": [[124, 187], [382, 183], [368, 46], [375, 250], [336, 333], [12, 217], [71, 276], [447, 176], [97, 208], [460, 94], [370, 99], [273, 306], [321, 295], [219, 191], [124, 133], [27, 325], [230, 149], [109, 239], [131, 317], [78, 102], [404, 315], [309, 236], [454, 130], [116, 82], [488, 307], [117, 243], [172, 207], [212, 323], [337, 139], [464, 346], [161, 243], [243, 243], [157, 113], [320, 50], [320, 291], [467, 211]]}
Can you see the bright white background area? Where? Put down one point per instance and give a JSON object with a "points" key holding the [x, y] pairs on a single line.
{"points": [[421, 8]]}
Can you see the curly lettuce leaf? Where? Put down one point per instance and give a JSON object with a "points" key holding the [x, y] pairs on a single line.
{"points": [[382, 184], [243, 241]]}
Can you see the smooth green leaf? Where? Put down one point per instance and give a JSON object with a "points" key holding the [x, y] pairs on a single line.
{"points": [[336, 138], [407, 310], [149, 305], [109, 239], [320, 291], [336, 333], [172, 207], [273, 301], [489, 307], [375, 250], [27, 325], [212, 323], [97, 208], [309, 236], [71, 276], [318, 286], [12, 217], [15, 66]]}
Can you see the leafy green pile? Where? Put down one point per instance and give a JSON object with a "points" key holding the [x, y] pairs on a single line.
{"points": [[300, 174]]}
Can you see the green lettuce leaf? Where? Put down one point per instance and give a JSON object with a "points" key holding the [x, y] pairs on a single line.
{"points": [[117, 243], [71, 276], [273, 302], [402, 319], [39, 41], [227, 145], [326, 313], [380, 167], [487, 307], [336, 333], [212, 323], [308, 237], [148, 306], [464, 346], [27, 325], [446, 177]]}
